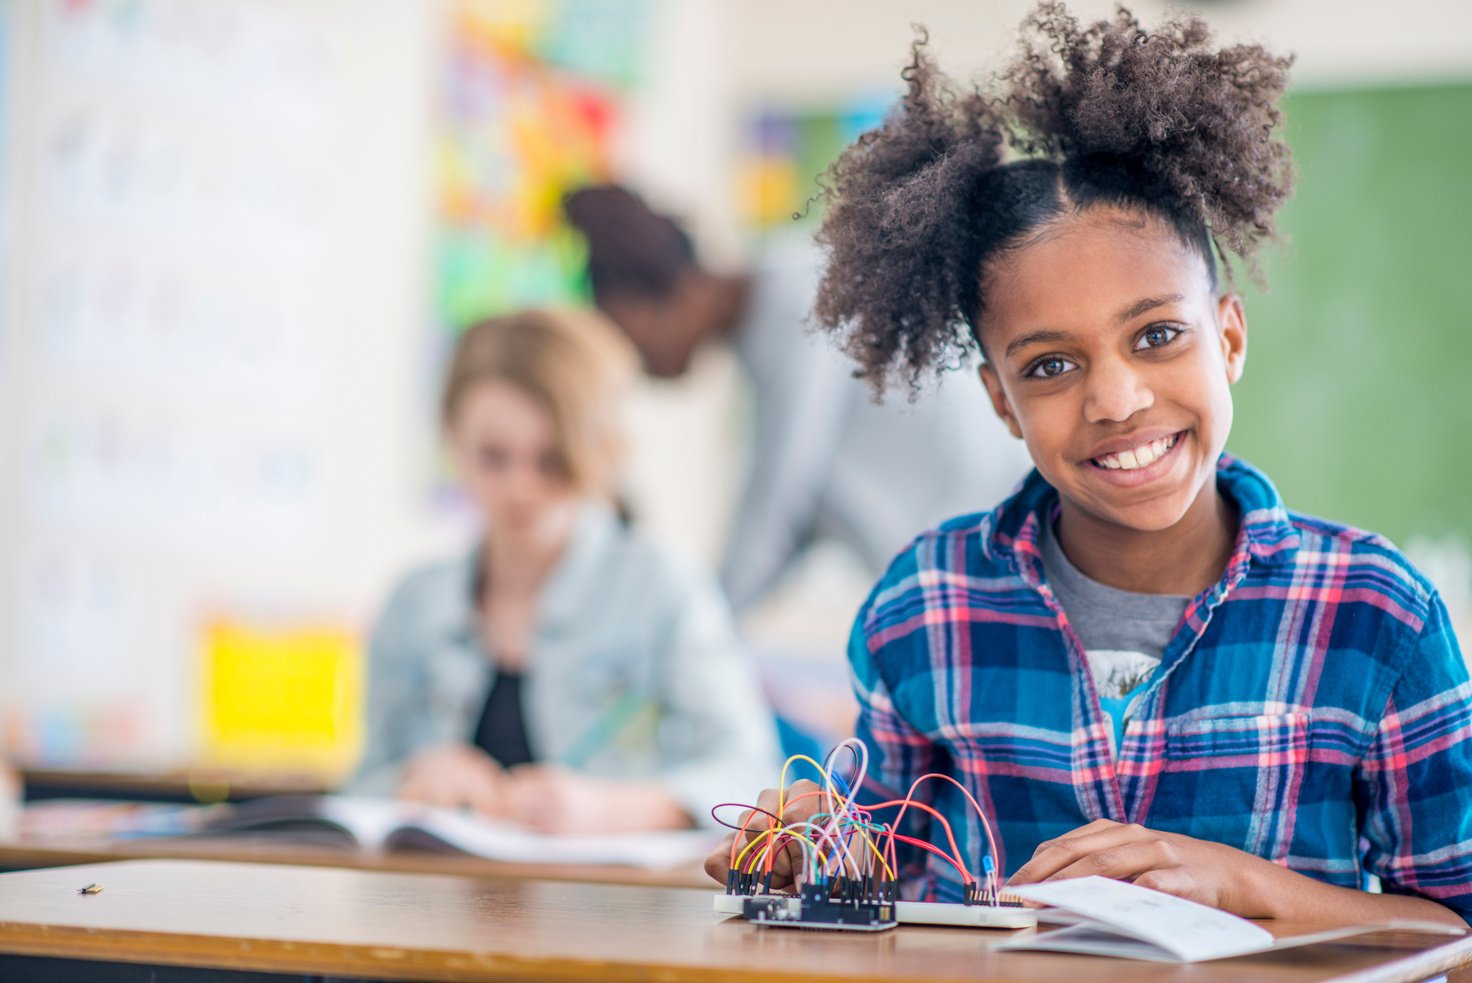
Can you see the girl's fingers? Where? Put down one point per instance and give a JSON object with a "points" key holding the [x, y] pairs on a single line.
{"points": [[1054, 855], [719, 861], [797, 804], [1123, 862], [486, 795]]}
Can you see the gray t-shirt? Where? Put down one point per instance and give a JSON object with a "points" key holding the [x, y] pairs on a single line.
{"points": [[1124, 634]]}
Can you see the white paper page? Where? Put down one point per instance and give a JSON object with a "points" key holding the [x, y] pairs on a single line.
{"points": [[370, 820], [1186, 930]]}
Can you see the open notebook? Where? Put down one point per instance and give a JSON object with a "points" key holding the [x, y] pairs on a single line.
{"points": [[383, 824], [1112, 918]]}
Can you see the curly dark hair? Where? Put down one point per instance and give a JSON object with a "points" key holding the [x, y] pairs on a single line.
{"points": [[1159, 122]]}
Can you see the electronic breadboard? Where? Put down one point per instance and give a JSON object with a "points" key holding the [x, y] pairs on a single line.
{"points": [[1005, 915]]}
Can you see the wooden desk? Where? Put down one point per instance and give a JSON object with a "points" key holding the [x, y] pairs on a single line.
{"points": [[302, 920], [26, 854], [172, 784]]}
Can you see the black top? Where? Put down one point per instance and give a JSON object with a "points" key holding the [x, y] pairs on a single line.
{"points": [[501, 732]]}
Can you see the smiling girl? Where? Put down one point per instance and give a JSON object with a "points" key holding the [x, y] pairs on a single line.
{"points": [[1141, 664]]}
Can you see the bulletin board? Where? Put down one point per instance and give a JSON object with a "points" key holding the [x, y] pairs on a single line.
{"points": [[784, 150], [1357, 398], [532, 101]]}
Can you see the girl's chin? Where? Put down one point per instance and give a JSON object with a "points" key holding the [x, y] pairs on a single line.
{"points": [[1145, 510]]}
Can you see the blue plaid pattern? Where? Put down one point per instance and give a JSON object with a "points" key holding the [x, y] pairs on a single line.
{"points": [[1313, 707]]}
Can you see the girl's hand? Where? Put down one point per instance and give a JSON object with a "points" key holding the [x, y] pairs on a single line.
{"points": [[799, 806], [453, 776], [551, 799], [1198, 870]]}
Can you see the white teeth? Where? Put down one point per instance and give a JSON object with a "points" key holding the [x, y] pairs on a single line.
{"points": [[1139, 457]]}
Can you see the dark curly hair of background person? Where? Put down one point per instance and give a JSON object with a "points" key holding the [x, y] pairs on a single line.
{"points": [[1159, 121]]}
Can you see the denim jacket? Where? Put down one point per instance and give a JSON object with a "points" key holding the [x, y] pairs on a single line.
{"points": [[634, 672]]}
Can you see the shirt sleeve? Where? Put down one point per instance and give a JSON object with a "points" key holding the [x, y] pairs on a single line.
{"points": [[717, 739], [1415, 785], [898, 754], [393, 698], [803, 393]]}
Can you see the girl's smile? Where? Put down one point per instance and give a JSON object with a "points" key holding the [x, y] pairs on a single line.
{"points": [[1138, 458]]}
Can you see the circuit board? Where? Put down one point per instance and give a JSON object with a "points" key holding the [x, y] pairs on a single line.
{"points": [[794, 911], [913, 912]]}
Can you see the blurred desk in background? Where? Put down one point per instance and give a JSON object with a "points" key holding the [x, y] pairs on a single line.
{"points": [[166, 784], [193, 920]]}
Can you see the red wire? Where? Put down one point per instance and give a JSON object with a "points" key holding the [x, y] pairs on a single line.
{"points": [[955, 859], [904, 804]]}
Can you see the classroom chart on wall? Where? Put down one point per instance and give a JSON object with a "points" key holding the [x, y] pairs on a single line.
{"points": [[531, 102], [167, 398], [785, 149]]}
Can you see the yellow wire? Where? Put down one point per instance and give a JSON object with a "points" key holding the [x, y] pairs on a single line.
{"points": [[869, 842], [769, 834], [782, 780]]}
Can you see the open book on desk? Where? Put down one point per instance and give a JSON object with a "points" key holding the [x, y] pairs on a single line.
{"points": [[1104, 917], [385, 824]]}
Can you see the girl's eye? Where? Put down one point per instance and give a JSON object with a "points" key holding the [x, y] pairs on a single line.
{"points": [[1049, 367], [1156, 336]]}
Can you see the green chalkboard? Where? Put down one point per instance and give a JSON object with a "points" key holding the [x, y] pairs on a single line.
{"points": [[1358, 394]]}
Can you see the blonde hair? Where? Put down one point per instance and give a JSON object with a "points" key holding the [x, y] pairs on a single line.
{"points": [[575, 363]]}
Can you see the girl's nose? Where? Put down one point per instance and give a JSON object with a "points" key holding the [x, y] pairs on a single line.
{"points": [[1116, 391]]}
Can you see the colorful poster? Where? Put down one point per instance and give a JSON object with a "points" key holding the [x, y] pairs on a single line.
{"points": [[786, 150], [532, 95]]}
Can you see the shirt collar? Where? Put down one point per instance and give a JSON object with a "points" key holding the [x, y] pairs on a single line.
{"points": [[578, 573], [595, 529], [1010, 531]]}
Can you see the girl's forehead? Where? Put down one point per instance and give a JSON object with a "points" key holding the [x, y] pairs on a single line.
{"points": [[1082, 271], [500, 405]]}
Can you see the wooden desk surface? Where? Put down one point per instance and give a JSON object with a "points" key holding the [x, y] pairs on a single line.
{"points": [[415, 926], [25, 854]]}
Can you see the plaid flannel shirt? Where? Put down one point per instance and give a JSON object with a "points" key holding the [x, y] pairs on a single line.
{"points": [[1312, 708]]}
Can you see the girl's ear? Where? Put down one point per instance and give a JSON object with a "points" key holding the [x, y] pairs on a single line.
{"points": [[1232, 328], [993, 384]]}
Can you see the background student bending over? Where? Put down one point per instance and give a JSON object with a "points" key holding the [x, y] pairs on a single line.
{"points": [[563, 673]]}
